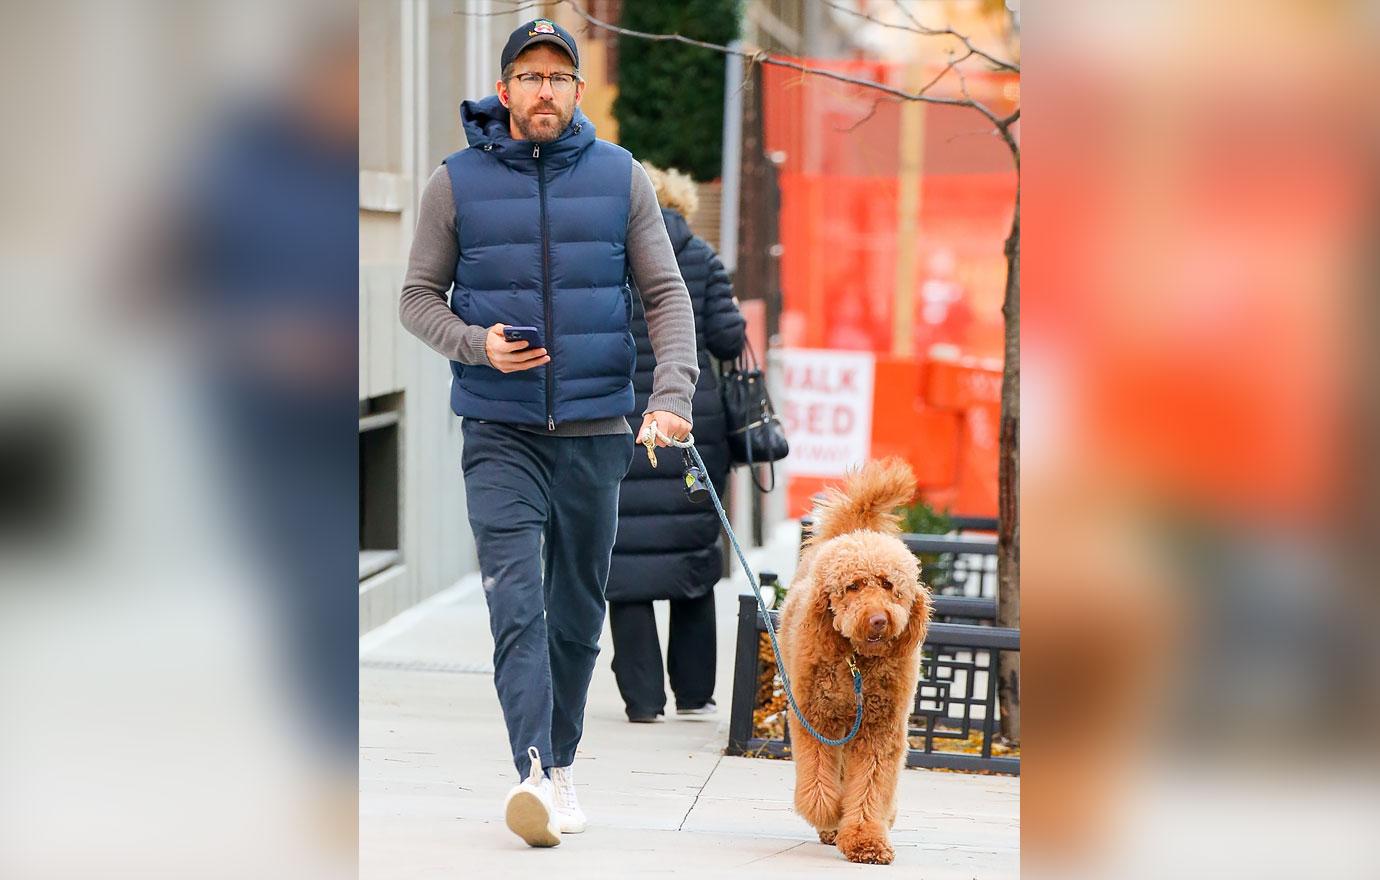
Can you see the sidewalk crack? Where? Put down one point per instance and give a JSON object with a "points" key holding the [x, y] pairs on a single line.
{"points": [[698, 793], [773, 855]]}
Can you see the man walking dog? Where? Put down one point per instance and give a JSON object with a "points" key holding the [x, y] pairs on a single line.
{"points": [[533, 232]]}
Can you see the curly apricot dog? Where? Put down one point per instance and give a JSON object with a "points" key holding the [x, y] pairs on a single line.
{"points": [[857, 594]]}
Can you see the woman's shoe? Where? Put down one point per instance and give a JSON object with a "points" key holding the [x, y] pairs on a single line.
{"points": [[707, 709]]}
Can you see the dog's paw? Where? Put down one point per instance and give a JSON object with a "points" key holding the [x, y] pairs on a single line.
{"points": [[869, 847], [829, 838]]}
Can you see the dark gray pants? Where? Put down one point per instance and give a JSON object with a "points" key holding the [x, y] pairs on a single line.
{"points": [[544, 511]]}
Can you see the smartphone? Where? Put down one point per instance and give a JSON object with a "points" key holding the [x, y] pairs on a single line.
{"points": [[531, 334]]}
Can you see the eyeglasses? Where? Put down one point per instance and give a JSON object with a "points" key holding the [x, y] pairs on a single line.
{"points": [[561, 83]]}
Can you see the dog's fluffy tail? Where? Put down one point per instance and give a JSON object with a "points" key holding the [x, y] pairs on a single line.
{"points": [[867, 500]]}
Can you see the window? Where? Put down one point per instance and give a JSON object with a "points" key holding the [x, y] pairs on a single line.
{"points": [[379, 478]]}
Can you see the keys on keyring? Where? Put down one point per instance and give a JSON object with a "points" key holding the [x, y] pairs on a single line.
{"points": [[649, 441]]}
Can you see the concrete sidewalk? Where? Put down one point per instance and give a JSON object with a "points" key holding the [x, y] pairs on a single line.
{"points": [[661, 798]]}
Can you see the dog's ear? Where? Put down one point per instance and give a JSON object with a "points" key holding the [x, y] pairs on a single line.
{"points": [[905, 570], [821, 612], [919, 623], [822, 575], [820, 597]]}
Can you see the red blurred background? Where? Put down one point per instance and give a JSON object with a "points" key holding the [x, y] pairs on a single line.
{"points": [[893, 216]]}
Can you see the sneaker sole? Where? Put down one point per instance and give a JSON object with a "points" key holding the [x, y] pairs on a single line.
{"points": [[529, 819]]}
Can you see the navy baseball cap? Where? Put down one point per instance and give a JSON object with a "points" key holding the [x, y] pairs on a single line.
{"points": [[538, 30]]}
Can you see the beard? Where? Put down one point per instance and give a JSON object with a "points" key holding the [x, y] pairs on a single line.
{"points": [[542, 129]]}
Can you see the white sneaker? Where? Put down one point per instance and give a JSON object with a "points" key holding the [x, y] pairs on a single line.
{"points": [[572, 818], [530, 807]]}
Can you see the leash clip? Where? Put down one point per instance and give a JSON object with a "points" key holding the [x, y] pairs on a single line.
{"points": [[853, 666]]}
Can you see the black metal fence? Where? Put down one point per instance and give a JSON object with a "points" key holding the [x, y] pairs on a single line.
{"points": [[956, 700], [964, 524], [957, 565]]}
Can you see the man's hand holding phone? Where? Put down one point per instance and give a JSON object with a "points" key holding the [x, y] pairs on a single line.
{"points": [[510, 356]]}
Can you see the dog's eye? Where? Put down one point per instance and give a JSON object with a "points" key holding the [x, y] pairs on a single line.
{"points": [[855, 585], [886, 584]]}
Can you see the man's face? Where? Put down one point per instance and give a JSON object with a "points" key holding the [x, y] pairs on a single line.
{"points": [[542, 112]]}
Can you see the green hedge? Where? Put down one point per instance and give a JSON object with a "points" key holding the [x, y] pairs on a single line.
{"points": [[670, 105]]}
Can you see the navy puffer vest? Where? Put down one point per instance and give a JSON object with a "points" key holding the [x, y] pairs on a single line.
{"points": [[543, 242]]}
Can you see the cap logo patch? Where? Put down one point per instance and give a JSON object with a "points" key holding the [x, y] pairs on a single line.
{"points": [[541, 27]]}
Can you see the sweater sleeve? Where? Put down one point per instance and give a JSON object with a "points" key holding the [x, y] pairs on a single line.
{"points": [[665, 299], [423, 306]]}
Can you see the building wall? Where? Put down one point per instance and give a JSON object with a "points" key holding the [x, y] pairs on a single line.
{"points": [[418, 60]]}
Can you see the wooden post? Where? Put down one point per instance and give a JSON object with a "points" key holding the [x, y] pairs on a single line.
{"points": [[912, 155]]}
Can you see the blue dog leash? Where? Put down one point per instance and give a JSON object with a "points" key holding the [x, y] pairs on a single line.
{"points": [[689, 444]]}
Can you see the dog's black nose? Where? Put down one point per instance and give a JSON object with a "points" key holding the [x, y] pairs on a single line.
{"points": [[877, 622]]}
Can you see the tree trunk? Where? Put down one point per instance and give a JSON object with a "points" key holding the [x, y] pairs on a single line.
{"points": [[1008, 491]]}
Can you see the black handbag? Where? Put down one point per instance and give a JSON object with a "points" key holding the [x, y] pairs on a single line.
{"points": [[755, 435]]}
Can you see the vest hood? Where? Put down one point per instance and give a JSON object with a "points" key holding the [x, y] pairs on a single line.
{"points": [[486, 128]]}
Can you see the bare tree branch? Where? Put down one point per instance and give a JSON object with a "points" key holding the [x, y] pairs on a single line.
{"points": [[515, 6], [953, 62], [1001, 64], [1002, 126], [917, 28], [872, 111]]}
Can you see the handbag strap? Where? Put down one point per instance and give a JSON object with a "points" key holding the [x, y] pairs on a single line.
{"points": [[747, 358], [747, 362], [768, 417], [752, 469], [765, 490]]}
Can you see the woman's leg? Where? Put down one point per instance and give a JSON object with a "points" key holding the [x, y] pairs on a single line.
{"points": [[637, 658], [692, 654]]}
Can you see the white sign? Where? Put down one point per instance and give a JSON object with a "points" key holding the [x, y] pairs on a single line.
{"points": [[827, 410]]}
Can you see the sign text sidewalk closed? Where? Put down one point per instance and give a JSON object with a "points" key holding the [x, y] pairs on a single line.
{"points": [[826, 410]]}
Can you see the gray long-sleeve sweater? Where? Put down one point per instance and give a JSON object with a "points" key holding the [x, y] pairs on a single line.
{"points": [[426, 313]]}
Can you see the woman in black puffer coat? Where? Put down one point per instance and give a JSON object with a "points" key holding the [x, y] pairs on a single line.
{"points": [[668, 547]]}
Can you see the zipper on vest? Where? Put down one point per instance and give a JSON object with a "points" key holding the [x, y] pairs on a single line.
{"points": [[546, 287]]}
